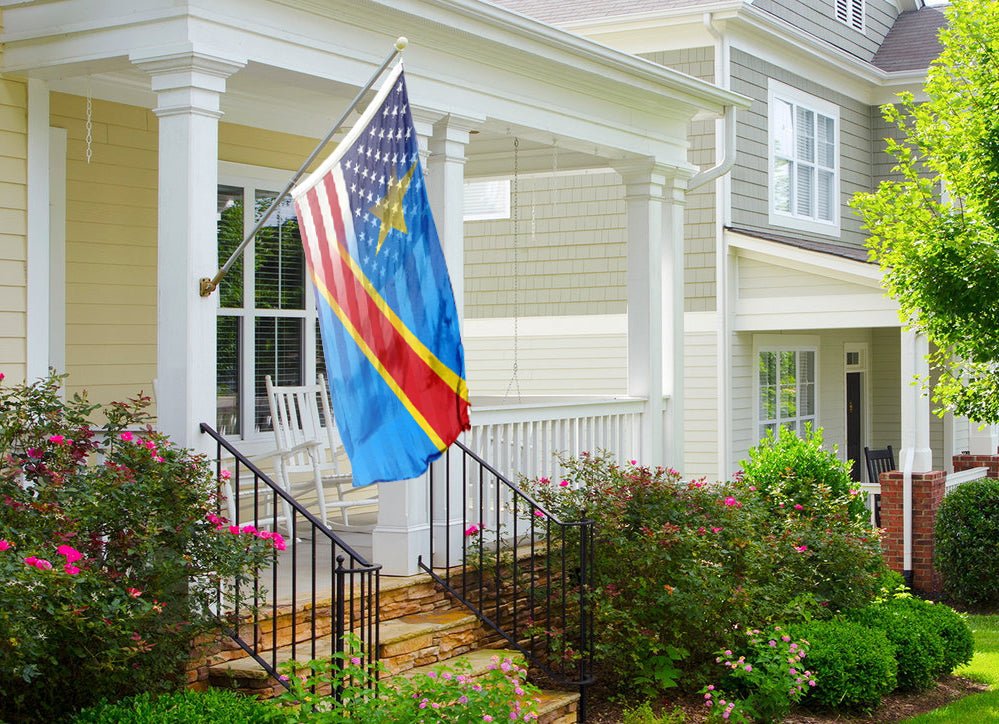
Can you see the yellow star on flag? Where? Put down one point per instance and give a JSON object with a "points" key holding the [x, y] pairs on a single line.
{"points": [[389, 209]]}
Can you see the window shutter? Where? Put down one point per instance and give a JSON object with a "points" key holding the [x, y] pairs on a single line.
{"points": [[487, 200], [843, 11]]}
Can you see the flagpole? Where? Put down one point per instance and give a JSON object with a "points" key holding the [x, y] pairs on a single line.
{"points": [[206, 285]]}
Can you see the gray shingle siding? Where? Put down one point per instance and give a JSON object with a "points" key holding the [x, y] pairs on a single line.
{"points": [[750, 188], [700, 211], [818, 18]]}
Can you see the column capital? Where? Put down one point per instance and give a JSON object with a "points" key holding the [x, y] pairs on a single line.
{"points": [[186, 80], [649, 178]]}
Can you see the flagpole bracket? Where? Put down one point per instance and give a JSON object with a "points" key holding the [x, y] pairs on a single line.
{"points": [[206, 286]]}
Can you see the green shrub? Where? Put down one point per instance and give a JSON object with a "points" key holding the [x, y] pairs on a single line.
{"points": [[446, 694], [680, 565], [967, 543], [109, 556], [953, 630], [643, 714], [214, 706], [763, 680], [854, 665], [919, 648], [788, 470]]}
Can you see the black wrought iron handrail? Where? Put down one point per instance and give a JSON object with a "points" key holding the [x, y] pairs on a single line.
{"points": [[352, 587], [514, 564]]}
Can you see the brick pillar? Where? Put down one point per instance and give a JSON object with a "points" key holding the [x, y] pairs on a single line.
{"points": [[966, 462], [927, 493]]}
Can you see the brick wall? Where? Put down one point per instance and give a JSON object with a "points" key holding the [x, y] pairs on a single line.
{"points": [[966, 462], [927, 493]]}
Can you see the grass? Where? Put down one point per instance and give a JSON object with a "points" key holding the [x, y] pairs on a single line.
{"points": [[984, 667]]}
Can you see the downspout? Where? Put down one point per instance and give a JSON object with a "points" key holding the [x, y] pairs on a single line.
{"points": [[727, 162], [725, 138], [907, 465]]}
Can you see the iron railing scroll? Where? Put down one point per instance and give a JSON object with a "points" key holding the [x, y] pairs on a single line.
{"points": [[519, 568], [314, 592]]}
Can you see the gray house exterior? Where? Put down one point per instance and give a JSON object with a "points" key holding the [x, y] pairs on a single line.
{"points": [[786, 321]]}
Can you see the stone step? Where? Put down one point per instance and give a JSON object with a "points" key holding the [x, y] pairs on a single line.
{"points": [[480, 661], [558, 707], [405, 643]]}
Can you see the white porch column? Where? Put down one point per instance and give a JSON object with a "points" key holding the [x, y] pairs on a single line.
{"points": [[188, 86], [446, 188], [915, 454], [38, 354], [654, 194], [982, 440]]}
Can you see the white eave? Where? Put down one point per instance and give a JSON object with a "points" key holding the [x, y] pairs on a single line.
{"points": [[747, 18]]}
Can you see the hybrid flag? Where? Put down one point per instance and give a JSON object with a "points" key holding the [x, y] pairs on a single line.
{"points": [[386, 309]]}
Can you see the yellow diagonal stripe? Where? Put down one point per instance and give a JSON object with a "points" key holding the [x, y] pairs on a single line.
{"points": [[377, 364], [451, 378]]}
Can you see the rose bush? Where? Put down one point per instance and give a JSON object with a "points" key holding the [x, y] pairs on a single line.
{"points": [[679, 565], [112, 553]]}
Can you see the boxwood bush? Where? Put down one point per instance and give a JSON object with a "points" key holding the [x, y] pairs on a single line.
{"points": [[854, 665], [919, 647], [967, 543], [953, 630]]}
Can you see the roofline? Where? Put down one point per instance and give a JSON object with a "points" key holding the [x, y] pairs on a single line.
{"points": [[861, 272], [563, 40], [740, 12]]}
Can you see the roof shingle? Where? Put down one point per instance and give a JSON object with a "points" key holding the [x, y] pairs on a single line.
{"points": [[912, 42]]}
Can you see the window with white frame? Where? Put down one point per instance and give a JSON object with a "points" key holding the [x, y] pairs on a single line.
{"points": [[485, 200], [804, 160], [266, 320], [786, 390], [851, 12]]}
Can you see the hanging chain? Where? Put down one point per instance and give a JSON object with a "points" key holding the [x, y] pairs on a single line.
{"points": [[90, 123], [514, 380]]}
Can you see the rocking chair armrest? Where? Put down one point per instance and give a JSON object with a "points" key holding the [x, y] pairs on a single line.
{"points": [[307, 446]]}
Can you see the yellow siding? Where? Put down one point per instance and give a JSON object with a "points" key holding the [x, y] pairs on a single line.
{"points": [[111, 216], [13, 222], [110, 247], [256, 147]]}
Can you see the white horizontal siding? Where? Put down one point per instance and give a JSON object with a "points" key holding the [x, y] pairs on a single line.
{"points": [[700, 416]]}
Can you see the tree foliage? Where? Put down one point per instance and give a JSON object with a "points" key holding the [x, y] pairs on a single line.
{"points": [[935, 227]]}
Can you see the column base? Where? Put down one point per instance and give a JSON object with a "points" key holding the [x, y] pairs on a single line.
{"points": [[398, 550]]}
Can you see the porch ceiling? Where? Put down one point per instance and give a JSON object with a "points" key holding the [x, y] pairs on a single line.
{"points": [[304, 60]]}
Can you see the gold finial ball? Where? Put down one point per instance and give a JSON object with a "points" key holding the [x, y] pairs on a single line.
{"points": [[401, 42]]}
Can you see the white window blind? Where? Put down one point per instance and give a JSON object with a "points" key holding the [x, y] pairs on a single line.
{"points": [[486, 200]]}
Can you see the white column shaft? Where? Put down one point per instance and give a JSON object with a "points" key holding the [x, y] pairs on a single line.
{"points": [[188, 87], [38, 274]]}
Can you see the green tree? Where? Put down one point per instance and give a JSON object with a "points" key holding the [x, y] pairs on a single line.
{"points": [[935, 227]]}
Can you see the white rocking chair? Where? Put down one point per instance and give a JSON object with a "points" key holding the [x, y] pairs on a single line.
{"points": [[308, 444]]}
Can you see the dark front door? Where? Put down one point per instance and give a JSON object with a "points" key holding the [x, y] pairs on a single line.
{"points": [[853, 432]]}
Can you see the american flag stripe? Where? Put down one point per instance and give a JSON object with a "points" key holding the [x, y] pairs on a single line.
{"points": [[425, 394]]}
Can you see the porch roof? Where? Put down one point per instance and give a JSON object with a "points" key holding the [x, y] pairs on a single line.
{"points": [[302, 58]]}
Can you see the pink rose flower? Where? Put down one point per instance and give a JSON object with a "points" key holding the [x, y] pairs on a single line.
{"points": [[225, 474], [4, 545], [799, 506], [472, 529], [133, 592], [801, 549], [71, 569], [563, 484], [56, 439], [126, 436], [70, 553]]}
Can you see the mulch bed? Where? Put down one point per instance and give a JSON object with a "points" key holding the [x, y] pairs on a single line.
{"points": [[895, 707]]}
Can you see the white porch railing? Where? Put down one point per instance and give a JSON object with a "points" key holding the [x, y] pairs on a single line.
{"points": [[522, 439], [956, 479], [953, 481]]}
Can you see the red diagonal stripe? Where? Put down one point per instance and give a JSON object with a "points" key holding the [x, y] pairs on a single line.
{"points": [[431, 395]]}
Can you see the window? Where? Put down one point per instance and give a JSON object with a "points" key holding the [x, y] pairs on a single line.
{"points": [[786, 389], [486, 200], [851, 12], [804, 161], [266, 319]]}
